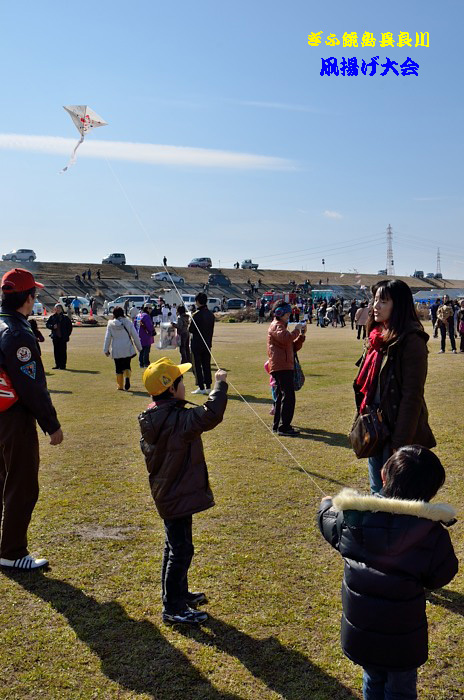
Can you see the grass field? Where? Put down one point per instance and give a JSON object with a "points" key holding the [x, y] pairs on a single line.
{"points": [[91, 626]]}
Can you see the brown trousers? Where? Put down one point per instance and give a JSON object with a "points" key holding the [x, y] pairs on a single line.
{"points": [[19, 479]]}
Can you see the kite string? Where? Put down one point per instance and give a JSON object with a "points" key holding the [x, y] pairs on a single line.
{"points": [[274, 435]]}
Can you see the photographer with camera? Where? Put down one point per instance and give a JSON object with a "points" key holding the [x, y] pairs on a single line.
{"points": [[282, 345]]}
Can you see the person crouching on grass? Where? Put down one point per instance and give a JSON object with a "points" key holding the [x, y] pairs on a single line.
{"points": [[394, 545], [178, 476]]}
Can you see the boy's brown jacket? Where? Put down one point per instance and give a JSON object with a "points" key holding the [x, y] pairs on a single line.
{"points": [[171, 443]]}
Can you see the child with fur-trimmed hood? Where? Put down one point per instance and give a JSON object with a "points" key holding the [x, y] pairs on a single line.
{"points": [[394, 546]]}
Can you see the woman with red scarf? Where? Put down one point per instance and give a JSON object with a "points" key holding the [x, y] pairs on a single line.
{"points": [[393, 373]]}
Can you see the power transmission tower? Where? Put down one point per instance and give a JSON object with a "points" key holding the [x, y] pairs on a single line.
{"points": [[438, 263], [390, 261]]}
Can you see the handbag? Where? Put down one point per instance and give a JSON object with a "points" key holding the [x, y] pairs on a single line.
{"points": [[298, 374], [369, 431]]}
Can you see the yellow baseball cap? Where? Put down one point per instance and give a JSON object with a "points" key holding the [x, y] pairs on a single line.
{"points": [[162, 374]]}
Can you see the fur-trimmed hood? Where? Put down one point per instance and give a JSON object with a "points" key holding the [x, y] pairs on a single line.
{"points": [[350, 499]]}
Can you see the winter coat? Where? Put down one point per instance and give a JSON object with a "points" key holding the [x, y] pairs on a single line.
{"points": [[60, 326], [182, 324], [460, 319], [403, 404], [362, 316], [444, 313], [282, 345], [20, 359], [171, 443], [202, 322], [392, 549], [144, 326], [121, 336]]}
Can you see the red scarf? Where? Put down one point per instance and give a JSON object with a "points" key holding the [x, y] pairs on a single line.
{"points": [[367, 378]]}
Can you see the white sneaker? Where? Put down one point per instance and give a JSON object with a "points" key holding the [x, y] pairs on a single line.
{"points": [[25, 563], [207, 392], [198, 391]]}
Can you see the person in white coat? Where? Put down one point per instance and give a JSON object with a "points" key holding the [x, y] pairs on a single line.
{"points": [[121, 337]]}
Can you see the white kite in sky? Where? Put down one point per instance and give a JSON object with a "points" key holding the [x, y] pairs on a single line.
{"points": [[84, 120]]}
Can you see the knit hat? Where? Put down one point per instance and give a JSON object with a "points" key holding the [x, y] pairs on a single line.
{"points": [[282, 309]]}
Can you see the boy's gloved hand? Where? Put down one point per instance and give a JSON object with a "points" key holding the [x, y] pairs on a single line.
{"points": [[221, 375]]}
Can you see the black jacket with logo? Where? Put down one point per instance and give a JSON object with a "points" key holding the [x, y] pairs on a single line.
{"points": [[20, 359]]}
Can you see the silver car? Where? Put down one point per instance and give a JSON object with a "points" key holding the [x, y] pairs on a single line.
{"points": [[20, 255], [167, 277]]}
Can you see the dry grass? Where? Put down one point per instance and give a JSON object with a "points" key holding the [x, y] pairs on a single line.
{"points": [[91, 628]]}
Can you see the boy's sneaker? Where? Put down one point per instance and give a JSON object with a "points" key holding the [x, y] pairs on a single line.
{"points": [[198, 391], [194, 599], [26, 563], [454, 352], [290, 432], [187, 617], [127, 384]]}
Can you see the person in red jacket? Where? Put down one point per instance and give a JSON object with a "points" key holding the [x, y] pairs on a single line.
{"points": [[282, 345]]}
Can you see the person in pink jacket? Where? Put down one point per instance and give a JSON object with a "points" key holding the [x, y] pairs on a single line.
{"points": [[282, 345]]}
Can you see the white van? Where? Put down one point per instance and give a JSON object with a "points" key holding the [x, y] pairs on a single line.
{"points": [[138, 300], [213, 304]]}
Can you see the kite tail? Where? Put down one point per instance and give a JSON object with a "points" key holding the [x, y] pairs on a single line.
{"points": [[73, 158]]}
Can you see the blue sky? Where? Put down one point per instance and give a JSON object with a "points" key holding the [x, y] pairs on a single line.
{"points": [[277, 163]]}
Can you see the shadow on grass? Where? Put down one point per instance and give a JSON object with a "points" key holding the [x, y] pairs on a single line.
{"points": [[59, 391], [249, 398], [83, 371], [133, 653], [335, 439], [285, 671], [447, 599]]}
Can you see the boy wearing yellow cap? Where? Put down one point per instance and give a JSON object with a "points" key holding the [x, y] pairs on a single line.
{"points": [[178, 476]]}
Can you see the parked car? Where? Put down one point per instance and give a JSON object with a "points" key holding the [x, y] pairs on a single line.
{"points": [[37, 309], [165, 277], [430, 275], [115, 259], [20, 255], [138, 300], [201, 262], [235, 304], [249, 265], [84, 307], [219, 280], [214, 304]]}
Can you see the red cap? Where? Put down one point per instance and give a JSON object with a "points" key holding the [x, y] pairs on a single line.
{"points": [[18, 280]]}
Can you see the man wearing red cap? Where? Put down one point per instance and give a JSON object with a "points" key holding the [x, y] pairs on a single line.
{"points": [[24, 399]]}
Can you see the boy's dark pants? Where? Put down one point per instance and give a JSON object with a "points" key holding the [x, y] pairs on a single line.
{"points": [[177, 557]]}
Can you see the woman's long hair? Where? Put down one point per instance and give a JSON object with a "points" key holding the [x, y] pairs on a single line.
{"points": [[403, 313]]}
